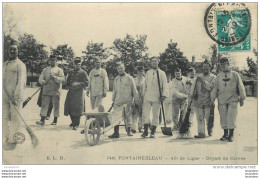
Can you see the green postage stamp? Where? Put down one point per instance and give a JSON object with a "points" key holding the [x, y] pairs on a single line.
{"points": [[232, 26], [229, 24]]}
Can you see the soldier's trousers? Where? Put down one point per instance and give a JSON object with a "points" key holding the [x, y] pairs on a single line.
{"points": [[46, 100], [11, 120], [75, 120], [168, 109], [228, 114], [202, 114], [137, 121], [95, 101], [176, 108], [128, 114], [147, 106]]}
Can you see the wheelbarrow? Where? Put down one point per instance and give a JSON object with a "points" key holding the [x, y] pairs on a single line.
{"points": [[97, 124]]}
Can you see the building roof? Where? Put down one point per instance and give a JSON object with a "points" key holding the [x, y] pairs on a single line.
{"points": [[197, 66]]}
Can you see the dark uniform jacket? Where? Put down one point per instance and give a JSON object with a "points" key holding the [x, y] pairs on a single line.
{"points": [[75, 100]]}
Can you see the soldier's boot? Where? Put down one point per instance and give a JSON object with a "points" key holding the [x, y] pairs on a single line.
{"points": [[54, 121], [133, 131], [42, 121], [224, 137], [145, 133], [210, 132], [230, 137], [140, 129], [9, 146], [129, 133], [153, 131], [116, 132], [200, 135]]}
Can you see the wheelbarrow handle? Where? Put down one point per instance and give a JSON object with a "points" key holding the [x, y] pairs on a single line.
{"points": [[111, 107]]}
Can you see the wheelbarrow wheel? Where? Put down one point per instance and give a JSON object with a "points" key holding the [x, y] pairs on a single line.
{"points": [[92, 131]]}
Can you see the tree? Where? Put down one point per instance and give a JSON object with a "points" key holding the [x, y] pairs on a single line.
{"points": [[111, 68], [128, 50], [63, 52], [92, 51], [32, 53], [252, 67], [173, 58]]}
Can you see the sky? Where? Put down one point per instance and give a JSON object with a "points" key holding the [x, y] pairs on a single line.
{"points": [[78, 23]]}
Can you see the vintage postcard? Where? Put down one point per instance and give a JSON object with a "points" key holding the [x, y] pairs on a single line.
{"points": [[130, 83]]}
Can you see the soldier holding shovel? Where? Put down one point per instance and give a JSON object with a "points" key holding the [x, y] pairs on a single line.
{"points": [[153, 96]]}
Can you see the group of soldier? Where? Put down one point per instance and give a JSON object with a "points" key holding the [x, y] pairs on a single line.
{"points": [[147, 92]]}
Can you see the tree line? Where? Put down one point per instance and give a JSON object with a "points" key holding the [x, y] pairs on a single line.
{"points": [[130, 50]]}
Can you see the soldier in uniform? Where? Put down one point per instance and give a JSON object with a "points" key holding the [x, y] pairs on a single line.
{"points": [[229, 89], [98, 84], [179, 88], [168, 102], [139, 82], [152, 98], [202, 102], [75, 100], [124, 92], [190, 89], [14, 82], [51, 79]]}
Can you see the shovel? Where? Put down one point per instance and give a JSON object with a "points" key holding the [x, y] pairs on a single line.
{"points": [[165, 130]]}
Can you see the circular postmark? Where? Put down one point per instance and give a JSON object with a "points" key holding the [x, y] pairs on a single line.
{"points": [[227, 23], [19, 137]]}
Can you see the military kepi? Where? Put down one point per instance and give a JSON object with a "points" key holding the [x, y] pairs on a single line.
{"points": [[77, 60], [223, 60]]}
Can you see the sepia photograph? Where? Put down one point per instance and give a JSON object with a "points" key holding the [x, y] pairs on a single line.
{"points": [[130, 83]]}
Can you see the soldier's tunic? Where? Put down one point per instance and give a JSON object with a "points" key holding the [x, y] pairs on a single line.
{"points": [[190, 89], [75, 100], [168, 105], [139, 82], [202, 101], [98, 84], [52, 90], [124, 91], [14, 82], [179, 93], [229, 89], [152, 95]]}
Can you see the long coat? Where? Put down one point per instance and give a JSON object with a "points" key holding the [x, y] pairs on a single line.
{"points": [[75, 100]]}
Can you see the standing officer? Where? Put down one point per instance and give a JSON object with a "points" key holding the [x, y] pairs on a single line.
{"points": [[98, 84], [124, 91], [74, 103], [229, 89], [51, 79], [152, 97], [202, 102], [14, 82]]}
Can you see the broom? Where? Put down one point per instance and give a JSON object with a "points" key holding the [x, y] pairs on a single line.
{"points": [[185, 125], [30, 97], [34, 139]]}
